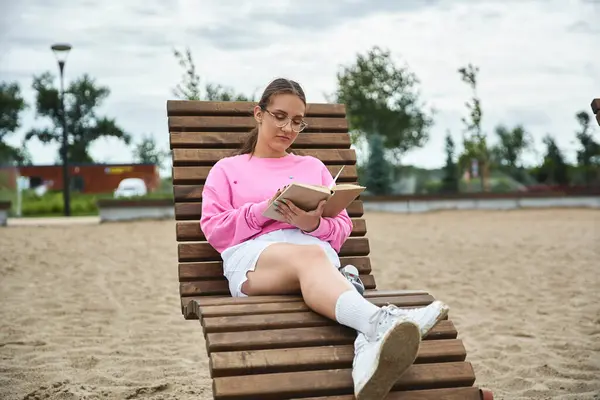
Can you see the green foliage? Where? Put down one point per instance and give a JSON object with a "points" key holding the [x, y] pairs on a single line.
{"points": [[378, 171], [588, 155], [190, 87], [474, 139], [381, 98], [433, 187], [51, 203], [450, 181], [11, 106], [83, 97], [501, 185], [554, 169], [506, 155], [147, 152]]}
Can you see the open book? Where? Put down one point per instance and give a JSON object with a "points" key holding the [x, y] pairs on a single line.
{"points": [[307, 197]]}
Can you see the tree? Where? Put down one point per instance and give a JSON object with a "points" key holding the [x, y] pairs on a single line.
{"points": [[189, 87], [507, 154], [474, 139], [554, 169], [147, 152], [11, 106], [381, 99], [377, 178], [588, 156], [84, 126], [451, 178]]}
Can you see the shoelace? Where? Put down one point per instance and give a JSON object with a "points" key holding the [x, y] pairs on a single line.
{"points": [[380, 318]]}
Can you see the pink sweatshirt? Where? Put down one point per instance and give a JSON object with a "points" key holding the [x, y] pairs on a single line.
{"points": [[238, 189]]}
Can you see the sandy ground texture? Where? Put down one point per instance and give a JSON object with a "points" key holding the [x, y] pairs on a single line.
{"points": [[92, 311]]}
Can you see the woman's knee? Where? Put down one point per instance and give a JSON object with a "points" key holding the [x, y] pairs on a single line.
{"points": [[313, 252]]}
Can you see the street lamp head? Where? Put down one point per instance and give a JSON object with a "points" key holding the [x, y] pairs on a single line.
{"points": [[61, 51]]}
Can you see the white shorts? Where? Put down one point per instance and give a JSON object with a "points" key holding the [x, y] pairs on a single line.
{"points": [[240, 259]]}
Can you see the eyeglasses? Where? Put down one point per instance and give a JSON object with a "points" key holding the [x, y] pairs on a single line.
{"points": [[282, 120]]}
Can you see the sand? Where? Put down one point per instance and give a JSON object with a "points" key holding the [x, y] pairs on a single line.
{"points": [[92, 311]]}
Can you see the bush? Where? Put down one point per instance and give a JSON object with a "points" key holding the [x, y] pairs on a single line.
{"points": [[377, 177], [51, 203]]}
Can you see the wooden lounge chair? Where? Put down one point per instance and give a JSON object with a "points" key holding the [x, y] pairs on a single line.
{"points": [[274, 347], [596, 109]]}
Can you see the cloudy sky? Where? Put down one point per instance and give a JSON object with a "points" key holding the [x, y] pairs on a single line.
{"points": [[539, 60]]}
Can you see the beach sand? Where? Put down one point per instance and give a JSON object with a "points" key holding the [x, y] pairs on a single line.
{"points": [[92, 311]]}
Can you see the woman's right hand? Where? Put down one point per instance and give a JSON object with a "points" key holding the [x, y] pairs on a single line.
{"points": [[279, 191]]}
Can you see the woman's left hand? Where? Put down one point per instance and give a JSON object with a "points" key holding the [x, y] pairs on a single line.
{"points": [[307, 221]]}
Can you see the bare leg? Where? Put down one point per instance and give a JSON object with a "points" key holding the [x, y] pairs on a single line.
{"points": [[387, 344], [284, 268]]}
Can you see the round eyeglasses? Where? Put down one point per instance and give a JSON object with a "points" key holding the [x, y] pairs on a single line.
{"points": [[282, 120]]}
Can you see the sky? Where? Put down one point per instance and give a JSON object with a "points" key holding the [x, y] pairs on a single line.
{"points": [[539, 60]]}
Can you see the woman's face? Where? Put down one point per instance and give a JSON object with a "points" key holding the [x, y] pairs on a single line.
{"points": [[279, 123]]}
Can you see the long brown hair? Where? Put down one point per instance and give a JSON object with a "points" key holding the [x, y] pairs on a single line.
{"points": [[278, 86]]}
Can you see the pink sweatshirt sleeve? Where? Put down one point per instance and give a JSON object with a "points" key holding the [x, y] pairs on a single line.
{"points": [[333, 230], [223, 225]]}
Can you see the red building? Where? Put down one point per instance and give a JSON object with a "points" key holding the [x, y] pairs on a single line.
{"points": [[88, 178]]}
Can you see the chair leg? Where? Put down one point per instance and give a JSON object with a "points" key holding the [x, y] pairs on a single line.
{"points": [[486, 394]]}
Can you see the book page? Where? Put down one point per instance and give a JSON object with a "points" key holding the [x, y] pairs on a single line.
{"points": [[305, 197]]}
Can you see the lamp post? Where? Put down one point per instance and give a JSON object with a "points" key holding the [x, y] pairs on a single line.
{"points": [[61, 51]]}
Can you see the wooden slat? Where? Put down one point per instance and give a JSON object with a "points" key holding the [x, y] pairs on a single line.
{"points": [[192, 303], [320, 357], [188, 192], [229, 123], [207, 157], [203, 251], [187, 231], [193, 211], [233, 140], [335, 382], [461, 393], [232, 310], [595, 106], [197, 175], [211, 269], [303, 337], [299, 319], [193, 193], [228, 300], [220, 286], [203, 107]]}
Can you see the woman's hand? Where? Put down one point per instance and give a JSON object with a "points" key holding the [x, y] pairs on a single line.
{"points": [[307, 221], [279, 191]]}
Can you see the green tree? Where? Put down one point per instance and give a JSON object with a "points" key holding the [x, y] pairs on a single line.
{"points": [[450, 180], [83, 97], [554, 169], [378, 178], [474, 139], [146, 151], [507, 154], [11, 106], [588, 156], [190, 87], [382, 99]]}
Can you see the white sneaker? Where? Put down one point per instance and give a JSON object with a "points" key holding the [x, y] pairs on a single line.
{"points": [[350, 272], [384, 354], [425, 317]]}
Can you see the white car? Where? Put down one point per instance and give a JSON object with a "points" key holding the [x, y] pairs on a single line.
{"points": [[130, 187]]}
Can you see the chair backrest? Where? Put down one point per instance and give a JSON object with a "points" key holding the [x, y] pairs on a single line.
{"points": [[203, 132], [596, 109]]}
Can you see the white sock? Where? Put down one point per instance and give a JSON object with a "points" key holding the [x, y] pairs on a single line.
{"points": [[354, 310]]}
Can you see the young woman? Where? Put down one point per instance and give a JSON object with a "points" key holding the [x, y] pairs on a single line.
{"points": [[262, 256]]}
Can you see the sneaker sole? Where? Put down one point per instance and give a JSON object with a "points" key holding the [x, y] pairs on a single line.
{"points": [[397, 353]]}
